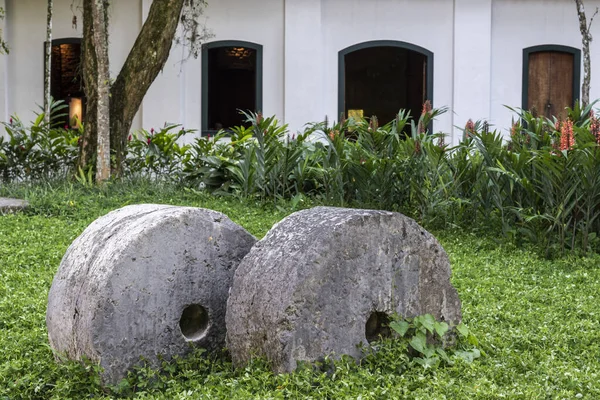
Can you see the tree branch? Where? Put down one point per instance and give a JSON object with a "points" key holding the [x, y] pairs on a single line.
{"points": [[146, 59]]}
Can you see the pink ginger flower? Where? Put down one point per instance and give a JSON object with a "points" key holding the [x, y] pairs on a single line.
{"points": [[426, 107], [469, 128], [567, 140], [595, 126]]}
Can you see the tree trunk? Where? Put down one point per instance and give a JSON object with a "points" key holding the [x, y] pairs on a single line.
{"points": [[586, 39], [146, 59], [96, 138], [48, 69], [103, 85]]}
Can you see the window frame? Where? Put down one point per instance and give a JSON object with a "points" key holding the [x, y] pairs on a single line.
{"points": [[204, 83], [551, 48], [381, 43]]}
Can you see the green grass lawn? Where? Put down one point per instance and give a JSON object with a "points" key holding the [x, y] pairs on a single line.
{"points": [[537, 321]]}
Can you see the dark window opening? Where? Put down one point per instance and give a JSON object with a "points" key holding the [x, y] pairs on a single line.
{"points": [[232, 86], [66, 81], [381, 80]]}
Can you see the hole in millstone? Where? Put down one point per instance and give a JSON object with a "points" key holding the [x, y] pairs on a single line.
{"points": [[377, 327], [194, 322]]}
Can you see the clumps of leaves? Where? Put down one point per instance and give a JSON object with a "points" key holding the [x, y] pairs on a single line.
{"points": [[432, 342]]}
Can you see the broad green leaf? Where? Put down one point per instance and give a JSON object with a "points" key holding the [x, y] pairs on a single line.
{"points": [[463, 329], [400, 327], [427, 321], [427, 362], [469, 355], [441, 328], [419, 342]]}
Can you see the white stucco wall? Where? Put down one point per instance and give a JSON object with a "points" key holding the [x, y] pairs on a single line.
{"points": [[175, 96], [477, 46], [426, 23], [26, 33], [472, 63], [520, 24]]}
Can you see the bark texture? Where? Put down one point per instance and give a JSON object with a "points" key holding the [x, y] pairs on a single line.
{"points": [[586, 39], [146, 59], [89, 139], [96, 140], [48, 69], [103, 85]]}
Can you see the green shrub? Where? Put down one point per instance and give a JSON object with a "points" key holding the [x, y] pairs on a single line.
{"points": [[542, 185], [40, 151]]}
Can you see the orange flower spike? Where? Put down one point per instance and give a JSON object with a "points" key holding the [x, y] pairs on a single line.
{"points": [[470, 128], [426, 107], [514, 129], [417, 147], [566, 135], [595, 126]]}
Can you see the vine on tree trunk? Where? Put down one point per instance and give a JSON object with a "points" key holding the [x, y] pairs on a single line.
{"points": [[586, 39]]}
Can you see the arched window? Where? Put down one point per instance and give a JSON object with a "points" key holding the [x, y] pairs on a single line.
{"points": [[381, 77], [66, 82], [231, 81], [551, 75]]}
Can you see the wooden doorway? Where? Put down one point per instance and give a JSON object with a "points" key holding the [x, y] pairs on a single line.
{"points": [[551, 77], [381, 77]]}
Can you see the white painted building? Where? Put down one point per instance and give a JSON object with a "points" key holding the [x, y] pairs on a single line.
{"points": [[304, 60]]}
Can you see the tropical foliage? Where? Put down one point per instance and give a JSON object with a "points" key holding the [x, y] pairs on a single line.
{"points": [[541, 186]]}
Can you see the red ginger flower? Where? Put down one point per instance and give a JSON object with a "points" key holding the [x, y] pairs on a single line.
{"points": [[567, 140], [426, 107], [417, 147], [470, 128], [514, 129], [595, 126]]}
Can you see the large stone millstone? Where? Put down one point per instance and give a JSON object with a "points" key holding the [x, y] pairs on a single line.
{"points": [[8, 205], [325, 280], [145, 281]]}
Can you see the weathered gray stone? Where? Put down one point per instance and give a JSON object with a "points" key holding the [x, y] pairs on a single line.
{"points": [[323, 281], [145, 281], [8, 205]]}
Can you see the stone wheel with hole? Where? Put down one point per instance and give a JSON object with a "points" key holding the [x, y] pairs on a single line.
{"points": [[326, 280], [145, 281]]}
